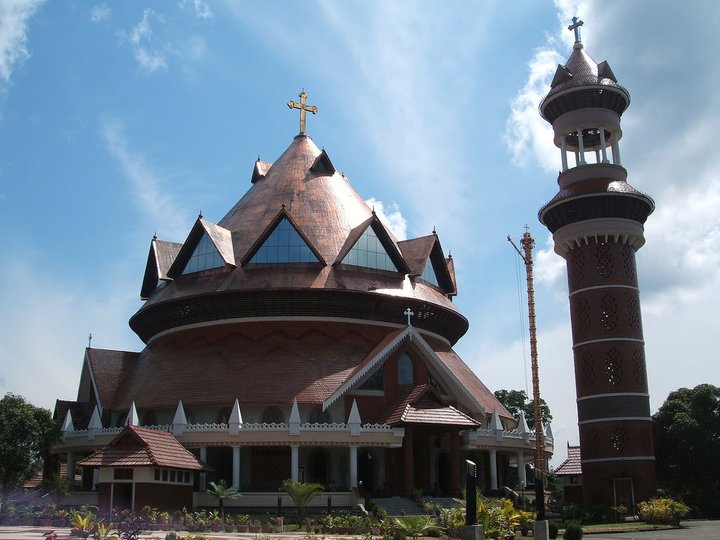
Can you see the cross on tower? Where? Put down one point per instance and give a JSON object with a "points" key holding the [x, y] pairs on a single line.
{"points": [[304, 107], [575, 26], [409, 314]]}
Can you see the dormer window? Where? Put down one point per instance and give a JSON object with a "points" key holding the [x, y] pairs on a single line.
{"points": [[284, 245], [205, 257], [429, 274], [369, 252]]}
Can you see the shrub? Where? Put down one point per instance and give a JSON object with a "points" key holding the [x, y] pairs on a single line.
{"points": [[573, 531], [663, 511], [552, 530]]}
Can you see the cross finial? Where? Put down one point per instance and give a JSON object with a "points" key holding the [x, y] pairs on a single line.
{"points": [[575, 26], [409, 314], [304, 107], [89, 341]]}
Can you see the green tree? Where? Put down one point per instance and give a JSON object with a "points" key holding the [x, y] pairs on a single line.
{"points": [[686, 431], [26, 435], [223, 493], [517, 400], [301, 494]]}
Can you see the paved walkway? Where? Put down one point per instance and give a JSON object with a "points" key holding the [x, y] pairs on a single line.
{"points": [[692, 530]]}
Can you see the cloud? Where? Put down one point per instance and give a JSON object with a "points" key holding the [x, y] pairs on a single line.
{"points": [[201, 8], [391, 217], [148, 50], [99, 13], [14, 18], [151, 197]]}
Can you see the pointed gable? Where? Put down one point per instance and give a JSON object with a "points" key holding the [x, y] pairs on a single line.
{"points": [[322, 164], [207, 246], [425, 259], [160, 258], [282, 242], [260, 170], [370, 245]]}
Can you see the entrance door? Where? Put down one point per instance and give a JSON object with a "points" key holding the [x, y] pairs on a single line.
{"points": [[122, 496], [624, 493]]}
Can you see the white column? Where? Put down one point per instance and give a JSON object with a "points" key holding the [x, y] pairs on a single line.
{"points": [[581, 147], [353, 467], [602, 145], [70, 473], [236, 467], [493, 470], [96, 479], [203, 475], [294, 462], [521, 469], [563, 154], [616, 153]]}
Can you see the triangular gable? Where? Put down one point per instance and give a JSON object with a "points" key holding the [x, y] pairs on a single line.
{"points": [[426, 260], [385, 256], [385, 349], [160, 258], [282, 241], [219, 239], [102, 373], [323, 165], [562, 74], [260, 169], [604, 71]]}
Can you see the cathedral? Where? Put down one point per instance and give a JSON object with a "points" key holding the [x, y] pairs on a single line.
{"points": [[295, 338]]}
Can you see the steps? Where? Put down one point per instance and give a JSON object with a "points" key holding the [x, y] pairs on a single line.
{"points": [[398, 506]]}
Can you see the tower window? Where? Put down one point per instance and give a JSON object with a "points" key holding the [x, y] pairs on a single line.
{"points": [[284, 245], [205, 257], [369, 252], [428, 274]]}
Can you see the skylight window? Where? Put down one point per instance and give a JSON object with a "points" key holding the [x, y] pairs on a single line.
{"points": [[284, 245], [369, 252], [204, 257], [428, 274]]}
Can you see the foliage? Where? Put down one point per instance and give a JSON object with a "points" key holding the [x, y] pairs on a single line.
{"points": [[301, 494], [663, 511], [172, 535], [686, 431], [414, 526], [103, 531], [81, 525], [222, 493], [573, 531], [552, 530], [130, 527], [26, 435], [517, 400]]}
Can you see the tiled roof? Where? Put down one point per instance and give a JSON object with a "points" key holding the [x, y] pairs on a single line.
{"points": [[422, 405], [140, 447], [572, 466], [416, 252], [108, 368], [81, 412], [160, 258]]}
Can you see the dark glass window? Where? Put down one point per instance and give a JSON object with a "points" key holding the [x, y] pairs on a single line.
{"points": [[405, 369], [123, 474], [429, 274], [204, 257], [369, 252], [374, 382], [284, 245]]}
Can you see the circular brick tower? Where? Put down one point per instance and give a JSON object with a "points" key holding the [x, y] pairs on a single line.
{"points": [[597, 224]]}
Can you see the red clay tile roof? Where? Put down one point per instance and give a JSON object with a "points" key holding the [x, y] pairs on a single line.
{"points": [[572, 466], [140, 447], [422, 405]]}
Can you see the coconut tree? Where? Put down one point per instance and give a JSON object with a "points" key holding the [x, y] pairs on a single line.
{"points": [[415, 526], [301, 494], [222, 493]]}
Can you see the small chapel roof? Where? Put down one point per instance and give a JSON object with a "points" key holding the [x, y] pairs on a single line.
{"points": [[572, 466]]}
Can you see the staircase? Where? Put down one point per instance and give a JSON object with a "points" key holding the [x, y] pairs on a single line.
{"points": [[398, 506]]}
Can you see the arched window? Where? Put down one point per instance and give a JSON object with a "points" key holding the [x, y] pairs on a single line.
{"points": [[405, 374], [273, 415]]}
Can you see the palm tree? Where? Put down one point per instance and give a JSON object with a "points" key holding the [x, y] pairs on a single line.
{"points": [[301, 494], [415, 526], [222, 493]]}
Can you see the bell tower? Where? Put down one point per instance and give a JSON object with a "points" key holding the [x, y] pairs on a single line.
{"points": [[597, 221]]}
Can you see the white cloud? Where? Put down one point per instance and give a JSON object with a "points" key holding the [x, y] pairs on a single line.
{"points": [[99, 13], [151, 197], [391, 217], [14, 18], [148, 50], [201, 8]]}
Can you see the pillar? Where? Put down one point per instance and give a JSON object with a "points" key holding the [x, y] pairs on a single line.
{"points": [[70, 473], [493, 470], [203, 475], [563, 154], [236, 467], [294, 462], [581, 148], [96, 479], [603, 145], [455, 462], [353, 467], [409, 461], [521, 469]]}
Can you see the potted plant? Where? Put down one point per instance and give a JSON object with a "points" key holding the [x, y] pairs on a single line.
{"points": [[241, 522], [254, 526], [277, 524]]}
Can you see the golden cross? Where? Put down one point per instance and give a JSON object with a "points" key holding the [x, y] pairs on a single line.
{"points": [[303, 106]]}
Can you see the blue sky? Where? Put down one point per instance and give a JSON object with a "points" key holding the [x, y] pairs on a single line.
{"points": [[121, 119]]}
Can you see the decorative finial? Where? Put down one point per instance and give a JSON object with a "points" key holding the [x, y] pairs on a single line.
{"points": [[258, 157], [283, 205], [304, 107], [409, 313], [434, 231], [575, 26], [200, 216], [89, 341], [449, 254], [155, 235]]}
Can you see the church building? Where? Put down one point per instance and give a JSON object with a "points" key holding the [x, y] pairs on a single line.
{"points": [[296, 337]]}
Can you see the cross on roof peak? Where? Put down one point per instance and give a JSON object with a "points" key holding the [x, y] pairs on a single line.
{"points": [[575, 26], [304, 107]]}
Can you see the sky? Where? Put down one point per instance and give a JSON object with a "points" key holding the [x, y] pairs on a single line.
{"points": [[119, 120]]}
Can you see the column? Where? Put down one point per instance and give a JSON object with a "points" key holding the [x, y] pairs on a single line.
{"points": [[616, 153], [70, 473], [521, 468], [581, 148], [353, 467], [236, 467], [96, 479], [563, 154], [294, 462], [203, 475], [493, 470], [602, 145], [408, 458], [455, 461]]}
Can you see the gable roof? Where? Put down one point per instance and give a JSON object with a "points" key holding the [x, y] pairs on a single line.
{"points": [[386, 239], [107, 369], [572, 466], [160, 258], [140, 447], [220, 237], [418, 251]]}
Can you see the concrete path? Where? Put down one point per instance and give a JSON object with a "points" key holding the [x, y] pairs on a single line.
{"points": [[692, 530]]}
